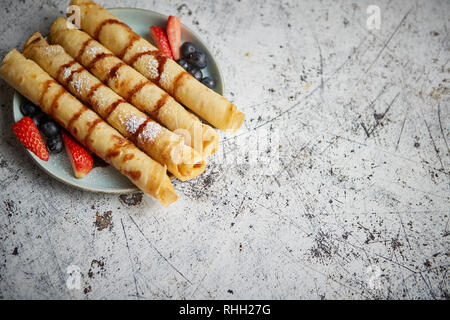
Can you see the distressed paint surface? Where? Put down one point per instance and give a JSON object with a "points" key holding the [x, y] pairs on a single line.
{"points": [[357, 203]]}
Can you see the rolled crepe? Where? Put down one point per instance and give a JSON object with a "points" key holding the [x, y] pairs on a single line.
{"points": [[86, 126], [134, 87], [158, 142], [163, 71]]}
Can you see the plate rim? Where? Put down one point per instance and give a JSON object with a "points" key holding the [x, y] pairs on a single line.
{"points": [[38, 162]]}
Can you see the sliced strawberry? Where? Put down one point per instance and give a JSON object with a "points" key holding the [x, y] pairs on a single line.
{"points": [[174, 35], [29, 135], [80, 158], [159, 38]]}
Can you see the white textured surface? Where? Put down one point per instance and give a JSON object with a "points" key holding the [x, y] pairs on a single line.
{"points": [[361, 178]]}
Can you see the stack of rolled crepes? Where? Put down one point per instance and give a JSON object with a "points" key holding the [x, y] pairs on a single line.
{"points": [[126, 87], [134, 87], [163, 71], [86, 126], [158, 142]]}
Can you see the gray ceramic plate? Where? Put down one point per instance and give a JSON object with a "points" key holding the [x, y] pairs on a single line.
{"points": [[108, 179]]}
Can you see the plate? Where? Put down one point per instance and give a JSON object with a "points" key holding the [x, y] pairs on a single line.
{"points": [[108, 179]]}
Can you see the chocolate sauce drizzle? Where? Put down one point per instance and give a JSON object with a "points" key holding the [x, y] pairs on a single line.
{"points": [[72, 73], [176, 83], [114, 70], [121, 143], [133, 39], [106, 22], [134, 58], [44, 92], [161, 102], [91, 127], [160, 58], [97, 58], [136, 89], [54, 104], [75, 117], [63, 67], [113, 107], [83, 48], [92, 91]]}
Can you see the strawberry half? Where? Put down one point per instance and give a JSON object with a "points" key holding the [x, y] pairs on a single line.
{"points": [[29, 135], [174, 35], [80, 158], [159, 38]]}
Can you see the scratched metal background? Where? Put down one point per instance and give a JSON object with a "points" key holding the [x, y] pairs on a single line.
{"points": [[355, 204]]}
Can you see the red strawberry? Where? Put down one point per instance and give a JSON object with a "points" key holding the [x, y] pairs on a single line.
{"points": [[159, 38], [81, 160], [174, 35], [29, 135]]}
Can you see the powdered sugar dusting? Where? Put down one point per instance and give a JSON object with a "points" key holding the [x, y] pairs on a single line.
{"points": [[79, 83], [143, 49], [165, 80], [102, 99], [52, 50], [150, 132], [133, 123], [91, 52], [66, 73], [151, 67]]}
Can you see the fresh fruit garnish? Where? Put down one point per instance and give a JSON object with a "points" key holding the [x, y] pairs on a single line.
{"points": [[159, 38], [174, 35], [209, 82], [196, 73], [28, 109], [50, 128], [37, 118], [80, 158], [198, 59], [184, 64], [55, 144], [187, 49], [193, 60], [28, 134]]}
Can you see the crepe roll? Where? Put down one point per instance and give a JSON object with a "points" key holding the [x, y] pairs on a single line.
{"points": [[134, 87], [158, 142], [86, 126], [163, 71]]}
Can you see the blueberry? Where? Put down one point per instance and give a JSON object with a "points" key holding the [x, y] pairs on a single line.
{"points": [[187, 48], [50, 128], [209, 82], [196, 73], [55, 144], [28, 109], [189, 67], [198, 59], [184, 64], [37, 118]]}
